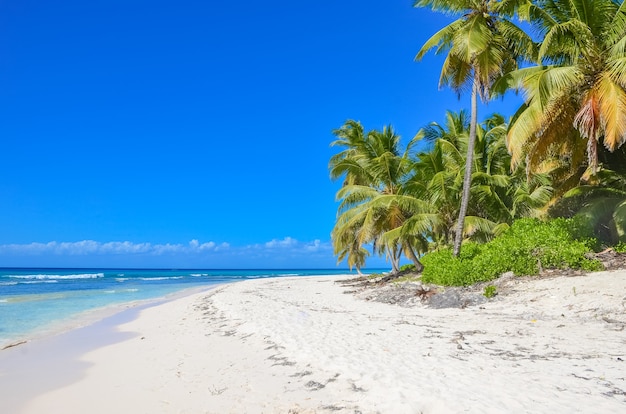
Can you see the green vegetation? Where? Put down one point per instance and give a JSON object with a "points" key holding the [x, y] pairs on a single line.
{"points": [[575, 95], [407, 268], [373, 200], [482, 45], [529, 245], [539, 190], [490, 291]]}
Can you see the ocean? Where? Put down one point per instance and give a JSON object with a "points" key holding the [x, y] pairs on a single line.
{"points": [[35, 302]]}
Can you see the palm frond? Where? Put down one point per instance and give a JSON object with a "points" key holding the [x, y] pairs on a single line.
{"points": [[612, 111], [440, 40], [474, 225]]}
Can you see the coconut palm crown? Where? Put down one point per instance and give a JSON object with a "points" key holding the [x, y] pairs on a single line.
{"points": [[577, 91]]}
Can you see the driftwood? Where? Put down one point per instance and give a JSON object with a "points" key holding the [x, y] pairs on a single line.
{"points": [[12, 345], [369, 281]]}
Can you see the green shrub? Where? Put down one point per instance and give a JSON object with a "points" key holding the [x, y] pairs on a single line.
{"points": [[443, 269], [526, 247], [490, 291], [407, 267], [620, 247]]}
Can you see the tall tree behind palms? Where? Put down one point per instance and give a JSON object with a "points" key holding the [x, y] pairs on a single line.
{"points": [[481, 46]]}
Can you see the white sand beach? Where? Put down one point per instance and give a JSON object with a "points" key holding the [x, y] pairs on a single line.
{"points": [[302, 345]]}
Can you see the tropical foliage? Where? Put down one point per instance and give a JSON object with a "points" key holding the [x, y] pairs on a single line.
{"points": [[482, 45], [401, 201], [372, 197], [560, 155], [576, 93], [498, 196], [602, 202], [527, 247]]}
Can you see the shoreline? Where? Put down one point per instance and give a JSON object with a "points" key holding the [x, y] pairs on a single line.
{"points": [[302, 345], [51, 357], [39, 302], [93, 316]]}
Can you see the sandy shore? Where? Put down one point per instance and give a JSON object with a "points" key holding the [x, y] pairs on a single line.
{"points": [[301, 345]]}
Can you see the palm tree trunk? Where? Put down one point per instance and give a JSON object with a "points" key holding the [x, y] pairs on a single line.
{"points": [[395, 260], [467, 179], [592, 152], [413, 257]]}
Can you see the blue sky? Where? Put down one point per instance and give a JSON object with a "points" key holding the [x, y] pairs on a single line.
{"points": [[192, 133]]}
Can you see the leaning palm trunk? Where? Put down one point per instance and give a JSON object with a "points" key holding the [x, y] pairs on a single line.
{"points": [[413, 257], [394, 257], [467, 178]]}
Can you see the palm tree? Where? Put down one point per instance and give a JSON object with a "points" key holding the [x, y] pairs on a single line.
{"points": [[502, 194], [577, 93], [351, 162], [348, 247], [405, 205], [437, 179], [372, 203], [481, 46], [499, 195], [352, 165]]}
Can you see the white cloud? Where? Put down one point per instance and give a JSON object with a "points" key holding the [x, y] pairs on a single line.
{"points": [[196, 246], [314, 246], [286, 246], [287, 252], [222, 246], [292, 246], [91, 247], [286, 242]]}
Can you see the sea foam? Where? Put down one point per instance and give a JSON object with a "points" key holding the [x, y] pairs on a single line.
{"points": [[58, 277], [160, 278]]}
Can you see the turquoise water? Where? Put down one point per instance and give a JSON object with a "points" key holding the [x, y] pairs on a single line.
{"points": [[33, 300]]}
